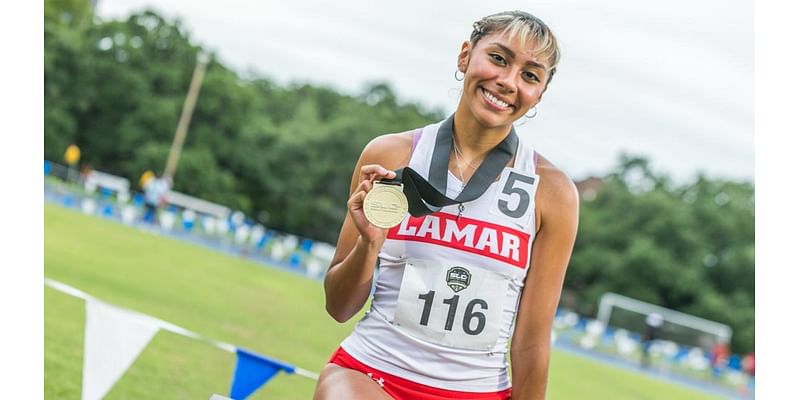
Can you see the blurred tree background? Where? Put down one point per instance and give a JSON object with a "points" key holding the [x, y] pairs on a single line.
{"points": [[284, 155], [687, 247]]}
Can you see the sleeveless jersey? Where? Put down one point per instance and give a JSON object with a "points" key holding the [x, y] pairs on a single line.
{"points": [[447, 287]]}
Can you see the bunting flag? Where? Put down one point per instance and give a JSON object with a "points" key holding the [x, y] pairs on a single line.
{"points": [[113, 340], [115, 337], [252, 371]]}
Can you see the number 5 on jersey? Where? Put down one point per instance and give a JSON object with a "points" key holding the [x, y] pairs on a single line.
{"points": [[514, 199]]}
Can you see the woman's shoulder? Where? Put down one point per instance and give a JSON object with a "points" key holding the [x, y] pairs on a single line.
{"points": [[391, 150], [556, 192]]}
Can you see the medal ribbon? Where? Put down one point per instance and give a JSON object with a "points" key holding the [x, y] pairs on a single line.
{"points": [[427, 196]]}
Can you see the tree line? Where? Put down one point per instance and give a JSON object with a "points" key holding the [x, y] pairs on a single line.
{"points": [[284, 154]]}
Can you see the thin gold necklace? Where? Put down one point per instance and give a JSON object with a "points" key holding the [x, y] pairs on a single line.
{"points": [[461, 155], [459, 160]]}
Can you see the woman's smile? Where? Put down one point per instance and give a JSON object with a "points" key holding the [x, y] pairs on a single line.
{"points": [[495, 102]]}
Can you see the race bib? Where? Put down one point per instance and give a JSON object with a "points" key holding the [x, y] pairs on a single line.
{"points": [[453, 305]]}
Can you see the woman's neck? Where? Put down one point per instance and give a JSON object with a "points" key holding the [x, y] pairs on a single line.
{"points": [[475, 140]]}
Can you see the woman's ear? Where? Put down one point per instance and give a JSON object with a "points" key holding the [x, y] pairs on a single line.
{"points": [[463, 56]]}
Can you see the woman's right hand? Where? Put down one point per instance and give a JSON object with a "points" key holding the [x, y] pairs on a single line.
{"points": [[355, 205]]}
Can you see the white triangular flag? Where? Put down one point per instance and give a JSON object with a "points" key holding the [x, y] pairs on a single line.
{"points": [[114, 338]]}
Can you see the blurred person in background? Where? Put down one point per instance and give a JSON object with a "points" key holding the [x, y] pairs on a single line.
{"points": [[454, 286], [749, 368], [85, 171], [155, 192], [653, 324], [719, 359]]}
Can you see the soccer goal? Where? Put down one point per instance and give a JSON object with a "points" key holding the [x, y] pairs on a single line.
{"points": [[627, 313]]}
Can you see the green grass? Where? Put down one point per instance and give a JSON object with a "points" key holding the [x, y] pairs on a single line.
{"points": [[267, 310]]}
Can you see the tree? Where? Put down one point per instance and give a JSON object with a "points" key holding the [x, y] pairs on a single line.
{"points": [[116, 89], [65, 25], [689, 248]]}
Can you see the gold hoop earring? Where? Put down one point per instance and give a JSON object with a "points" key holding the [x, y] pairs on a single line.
{"points": [[456, 75], [535, 111]]}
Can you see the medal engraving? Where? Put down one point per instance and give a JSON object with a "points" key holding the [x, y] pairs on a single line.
{"points": [[385, 205]]}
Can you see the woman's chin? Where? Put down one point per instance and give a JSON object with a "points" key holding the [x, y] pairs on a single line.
{"points": [[494, 118]]}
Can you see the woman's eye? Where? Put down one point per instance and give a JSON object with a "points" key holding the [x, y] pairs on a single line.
{"points": [[497, 58], [530, 76]]}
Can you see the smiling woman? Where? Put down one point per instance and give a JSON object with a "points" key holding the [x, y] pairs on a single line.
{"points": [[460, 273], [506, 72]]}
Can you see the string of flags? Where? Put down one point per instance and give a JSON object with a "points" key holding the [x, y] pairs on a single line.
{"points": [[115, 337]]}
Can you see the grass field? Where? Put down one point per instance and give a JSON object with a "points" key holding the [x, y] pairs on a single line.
{"points": [[270, 311]]}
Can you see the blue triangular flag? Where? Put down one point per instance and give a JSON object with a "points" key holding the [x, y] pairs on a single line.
{"points": [[252, 371]]}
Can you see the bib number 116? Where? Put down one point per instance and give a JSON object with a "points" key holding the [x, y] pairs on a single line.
{"points": [[472, 313]]}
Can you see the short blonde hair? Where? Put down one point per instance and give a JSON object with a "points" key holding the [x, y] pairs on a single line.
{"points": [[525, 27]]}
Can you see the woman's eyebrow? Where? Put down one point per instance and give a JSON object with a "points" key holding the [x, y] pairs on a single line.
{"points": [[513, 55]]}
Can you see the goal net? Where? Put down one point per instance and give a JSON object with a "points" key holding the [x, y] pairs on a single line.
{"points": [[622, 312]]}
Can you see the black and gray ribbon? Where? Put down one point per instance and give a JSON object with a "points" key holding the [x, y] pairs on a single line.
{"points": [[428, 196]]}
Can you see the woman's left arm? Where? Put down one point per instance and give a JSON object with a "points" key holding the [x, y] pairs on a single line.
{"points": [[557, 205]]}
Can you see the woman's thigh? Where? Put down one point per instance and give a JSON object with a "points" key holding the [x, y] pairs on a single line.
{"points": [[337, 383]]}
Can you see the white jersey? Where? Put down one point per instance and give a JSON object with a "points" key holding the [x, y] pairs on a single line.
{"points": [[447, 288]]}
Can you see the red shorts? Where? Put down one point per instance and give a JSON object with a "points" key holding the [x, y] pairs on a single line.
{"points": [[404, 389]]}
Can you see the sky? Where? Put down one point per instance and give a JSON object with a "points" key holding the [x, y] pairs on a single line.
{"points": [[671, 81]]}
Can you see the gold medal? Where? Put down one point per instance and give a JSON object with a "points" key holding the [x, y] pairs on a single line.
{"points": [[385, 205]]}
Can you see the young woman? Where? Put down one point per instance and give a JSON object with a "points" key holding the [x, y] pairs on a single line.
{"points": [[454, 287]]}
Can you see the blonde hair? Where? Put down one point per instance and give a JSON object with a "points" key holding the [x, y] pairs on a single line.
{"points": [[525, 27]]}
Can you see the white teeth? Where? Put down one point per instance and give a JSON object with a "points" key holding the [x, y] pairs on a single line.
{"points": [[493, 99]]}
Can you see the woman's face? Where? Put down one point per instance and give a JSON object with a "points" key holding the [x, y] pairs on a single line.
{"points": [[502, 79]]}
